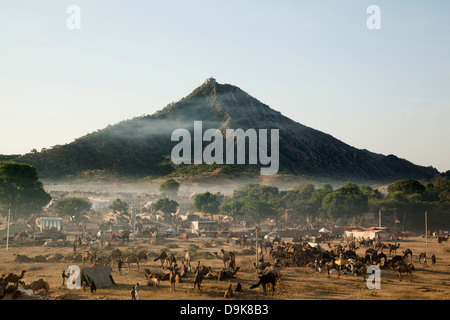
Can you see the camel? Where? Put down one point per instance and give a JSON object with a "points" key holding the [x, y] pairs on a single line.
{"points": [[212, 274], [198, 278], [406, 253], [352, 246], [89, 256], [228, 258], [178, 278], [131, 259], [125, 235], [184, 270], [164, 257], [153, 278], [113, 255], [260, 268], [142, 256], [202, 269], [39, 285], [332, 265], [274, 271], [227, 274], [229, 293], [264, 280], [336, 249], [422, 255], [403, 268], [13, 278], [393, 248], [172, 279]]}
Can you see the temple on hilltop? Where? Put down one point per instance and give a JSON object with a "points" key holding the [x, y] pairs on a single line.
{"points": [[210, 80]]}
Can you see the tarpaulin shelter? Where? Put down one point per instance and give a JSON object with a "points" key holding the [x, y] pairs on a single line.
{"points": [[100, 274], [324, 230], [49, 223], [375, 233]]}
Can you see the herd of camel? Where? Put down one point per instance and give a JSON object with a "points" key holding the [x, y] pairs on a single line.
{"points": [[9, 284], [332, 258]]}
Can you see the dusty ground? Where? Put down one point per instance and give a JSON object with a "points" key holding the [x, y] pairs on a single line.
{"points": [[431, 282]]}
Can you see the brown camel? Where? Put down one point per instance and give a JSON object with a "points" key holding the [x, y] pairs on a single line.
{"points": [[228, 258], [142, 256], [131, 259], [198, 278], [393, 248], [89, 256], [113, 255], [13, 278], [39, 285], [403, 268], [172, 280], [422, 255], [332, 265], [164, 257], [153, 278], [336, 249], [406, 253]]}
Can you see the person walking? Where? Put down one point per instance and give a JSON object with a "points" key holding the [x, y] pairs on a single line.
{"points": [[64, 276], [133, 293], [119, 265], [93, 286], [136, 289]]}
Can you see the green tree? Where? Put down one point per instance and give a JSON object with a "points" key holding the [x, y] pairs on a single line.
{"points": [[232, 207], [256, 210], [73, 207], [407, 187], [20, 190], [169, 188], [120, 208], [207, 202], [165, 205]]}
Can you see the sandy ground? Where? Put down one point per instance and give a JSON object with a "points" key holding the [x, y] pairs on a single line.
{"points": [[430, 282]]}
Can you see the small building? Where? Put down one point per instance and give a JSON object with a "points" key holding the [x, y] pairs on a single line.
{"points": [[359, 233], [203, 226]]}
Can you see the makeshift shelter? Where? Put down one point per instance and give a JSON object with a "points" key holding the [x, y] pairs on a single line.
{"points": [[100, 274], [324, 230], [375, 233], [49, 223]]}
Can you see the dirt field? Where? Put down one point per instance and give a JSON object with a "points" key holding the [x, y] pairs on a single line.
{"points": [[431, 282]]}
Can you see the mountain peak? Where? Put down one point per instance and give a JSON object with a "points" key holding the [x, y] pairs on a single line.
{"points": [[210, 80]]}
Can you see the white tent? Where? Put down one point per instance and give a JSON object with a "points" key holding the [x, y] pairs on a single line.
{"points": [[324, 230]]}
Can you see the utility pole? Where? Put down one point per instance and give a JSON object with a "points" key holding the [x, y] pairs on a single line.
{"points": [[379, 218], [7, 230], [395, 228], [256, 229], [426, 229]]}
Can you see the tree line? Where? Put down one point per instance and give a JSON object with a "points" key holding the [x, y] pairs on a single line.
{"points": [[22, 194]]}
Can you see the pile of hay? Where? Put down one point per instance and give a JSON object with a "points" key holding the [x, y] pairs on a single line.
{"points": [[22, 258]]}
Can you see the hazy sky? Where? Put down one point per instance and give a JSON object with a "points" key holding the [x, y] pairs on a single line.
{"points": [[317, 62]]}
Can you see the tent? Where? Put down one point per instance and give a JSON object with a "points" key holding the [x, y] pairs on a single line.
{"points": [[49, 223], [324, 230], [101, 275]]}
